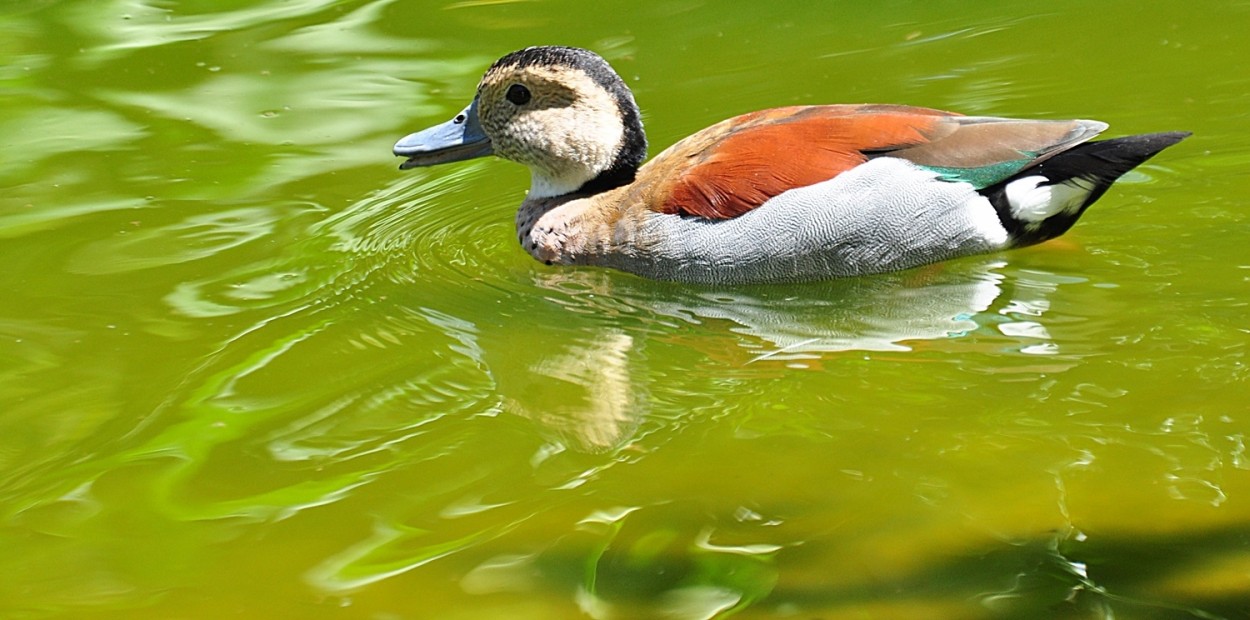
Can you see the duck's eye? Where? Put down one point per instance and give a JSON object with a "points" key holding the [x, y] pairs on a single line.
{"points": [[459, 120], [518, 94]]}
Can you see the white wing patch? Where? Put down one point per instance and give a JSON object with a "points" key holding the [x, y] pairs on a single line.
{"points": [[1033, 202]]}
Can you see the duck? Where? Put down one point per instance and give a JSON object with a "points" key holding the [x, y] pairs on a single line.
{"points": [[787, 194]]}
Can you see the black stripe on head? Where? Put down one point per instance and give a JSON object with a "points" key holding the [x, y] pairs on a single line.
{"points": [[633, 146]]}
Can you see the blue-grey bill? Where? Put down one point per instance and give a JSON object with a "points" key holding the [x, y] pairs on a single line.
{"points": [[458, 139]]}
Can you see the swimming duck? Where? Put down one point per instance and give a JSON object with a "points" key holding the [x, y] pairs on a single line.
{"points": [[786, 194]]}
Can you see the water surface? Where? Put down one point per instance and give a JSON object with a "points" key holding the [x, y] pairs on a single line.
{"points": [[252, 370]]}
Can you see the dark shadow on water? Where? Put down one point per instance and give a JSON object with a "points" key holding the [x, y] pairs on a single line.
{"points": [[1174, 575], [1124, 576]]}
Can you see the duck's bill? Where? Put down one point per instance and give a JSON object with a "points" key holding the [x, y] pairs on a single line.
{"points": [[458, 139]]}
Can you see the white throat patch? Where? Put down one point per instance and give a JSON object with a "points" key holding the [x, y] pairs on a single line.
{"points": [[543, 186]]}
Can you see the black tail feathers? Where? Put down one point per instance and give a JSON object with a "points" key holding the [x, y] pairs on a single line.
{"points": [[1085, 172]]}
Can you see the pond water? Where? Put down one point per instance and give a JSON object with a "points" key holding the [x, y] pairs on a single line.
{"points": [[252, 370]]}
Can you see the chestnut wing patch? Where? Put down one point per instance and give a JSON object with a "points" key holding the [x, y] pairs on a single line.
{"points": [[763, 154]]}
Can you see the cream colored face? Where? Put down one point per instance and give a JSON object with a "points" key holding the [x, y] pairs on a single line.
{"points": [[568, 129]]}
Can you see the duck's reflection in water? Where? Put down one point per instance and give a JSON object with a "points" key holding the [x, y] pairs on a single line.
{"points": [[582, 392], [590, 390], [881, 313]]}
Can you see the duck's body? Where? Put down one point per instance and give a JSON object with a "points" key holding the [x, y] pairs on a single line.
{"points": [[788, 194]]}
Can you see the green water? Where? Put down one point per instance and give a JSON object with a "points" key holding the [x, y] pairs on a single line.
{"points": [[249, 369]]}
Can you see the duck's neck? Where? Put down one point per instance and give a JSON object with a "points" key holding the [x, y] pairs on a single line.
{"points": [[583, 177], [574, 212], [545, 185]]}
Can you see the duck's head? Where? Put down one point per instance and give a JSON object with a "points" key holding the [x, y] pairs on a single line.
{"points": [[561, 111]]}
